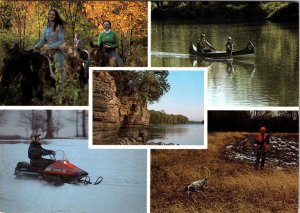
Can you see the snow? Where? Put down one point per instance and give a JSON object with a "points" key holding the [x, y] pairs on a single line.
{"points": [[122, 190]]}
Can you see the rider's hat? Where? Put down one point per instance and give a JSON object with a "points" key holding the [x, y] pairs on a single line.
{"points": [[202, 35], [229, 38]]}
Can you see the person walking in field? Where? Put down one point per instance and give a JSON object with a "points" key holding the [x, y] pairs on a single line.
{"points": [[262, 146], [53, 39]]}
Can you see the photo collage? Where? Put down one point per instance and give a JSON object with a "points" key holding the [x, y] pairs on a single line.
{"points": [[149, 106]]}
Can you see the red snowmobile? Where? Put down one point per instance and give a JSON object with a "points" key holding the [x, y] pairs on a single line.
{"points": [[59, 172]]}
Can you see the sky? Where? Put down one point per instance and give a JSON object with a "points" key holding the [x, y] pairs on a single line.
{"points": [[186, 95], [11, 124]]}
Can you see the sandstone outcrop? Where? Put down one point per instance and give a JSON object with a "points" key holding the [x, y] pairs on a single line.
{"points": [[110, 112]]}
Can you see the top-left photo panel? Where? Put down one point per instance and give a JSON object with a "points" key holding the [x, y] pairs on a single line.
{"points": [[47, 47]]}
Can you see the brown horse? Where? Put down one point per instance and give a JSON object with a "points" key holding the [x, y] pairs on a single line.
{"points": [[100, 57]]}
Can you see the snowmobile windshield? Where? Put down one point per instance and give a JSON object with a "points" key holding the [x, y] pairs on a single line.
{"points": [[60, 155]]}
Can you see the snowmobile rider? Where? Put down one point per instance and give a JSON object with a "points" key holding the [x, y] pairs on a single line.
{"points": [[35, 153], [262, 146]]}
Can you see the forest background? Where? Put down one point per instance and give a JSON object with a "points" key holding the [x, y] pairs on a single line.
{"points": [[23, 22]]}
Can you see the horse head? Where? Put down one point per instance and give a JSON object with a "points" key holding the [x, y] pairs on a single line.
{"points": [[98, 55], [14, 64]]}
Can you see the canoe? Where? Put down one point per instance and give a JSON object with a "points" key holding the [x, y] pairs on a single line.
{"points": [[249, 50]]}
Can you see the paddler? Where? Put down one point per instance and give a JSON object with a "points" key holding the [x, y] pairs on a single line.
{"points": [[203, 45]]}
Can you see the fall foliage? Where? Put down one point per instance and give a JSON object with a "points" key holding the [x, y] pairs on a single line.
{"points": [[23, 22]]}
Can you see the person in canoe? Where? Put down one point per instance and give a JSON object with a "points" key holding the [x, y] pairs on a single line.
{"points": [[203, 45], [229, 45]]}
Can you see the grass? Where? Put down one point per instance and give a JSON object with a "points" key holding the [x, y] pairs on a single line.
{"points": [[233, 186]]}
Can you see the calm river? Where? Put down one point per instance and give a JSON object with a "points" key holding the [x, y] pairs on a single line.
{"points": [[185, 134], [270, 78]]}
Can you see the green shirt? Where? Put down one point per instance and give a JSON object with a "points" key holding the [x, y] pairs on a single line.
{"points": [[111, 39]]}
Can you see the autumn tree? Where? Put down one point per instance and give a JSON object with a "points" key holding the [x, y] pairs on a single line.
{"points": [[129, 19]]}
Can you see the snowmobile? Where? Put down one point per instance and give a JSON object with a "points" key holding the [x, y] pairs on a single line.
{"points": [[59, 172]]}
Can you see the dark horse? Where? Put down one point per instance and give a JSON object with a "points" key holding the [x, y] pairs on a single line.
{"points": [[26, 73], [100, 57]]}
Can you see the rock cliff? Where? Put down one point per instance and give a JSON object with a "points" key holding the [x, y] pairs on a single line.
{"points": [[110, 112]]}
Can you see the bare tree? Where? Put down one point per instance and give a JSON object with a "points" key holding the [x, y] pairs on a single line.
{"points": [[2, 116], [75, 121], [84, 122], [34, 121], [57, 126], [49, 133]]}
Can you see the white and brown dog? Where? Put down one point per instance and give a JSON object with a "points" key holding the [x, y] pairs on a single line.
{"points": [[198, 185]]}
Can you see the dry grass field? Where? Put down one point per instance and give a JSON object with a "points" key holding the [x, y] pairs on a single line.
{"points": [[233, 186]]}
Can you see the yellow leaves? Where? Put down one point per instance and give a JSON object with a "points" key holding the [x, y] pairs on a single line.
{"points": [[124, 16]]}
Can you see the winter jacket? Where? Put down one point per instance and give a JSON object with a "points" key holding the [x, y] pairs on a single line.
{"points": [[35, 151], [262, 142]]}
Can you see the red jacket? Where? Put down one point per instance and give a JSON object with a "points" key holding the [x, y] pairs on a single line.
{"points": [[262, 142]]}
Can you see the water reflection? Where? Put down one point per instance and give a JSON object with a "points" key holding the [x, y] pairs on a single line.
{"points": [[188, 134], [270, 78]]}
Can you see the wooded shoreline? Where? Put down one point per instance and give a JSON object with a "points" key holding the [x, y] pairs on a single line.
{"points": [[226, 12]]}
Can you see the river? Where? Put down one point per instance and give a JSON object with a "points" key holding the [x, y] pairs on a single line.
{"points": [[270, 78], [181, 134]]}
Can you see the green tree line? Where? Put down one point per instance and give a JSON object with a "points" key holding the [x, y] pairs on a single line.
{"points": [[157, 117], [149, 86], [210, 11], [251, 121]]}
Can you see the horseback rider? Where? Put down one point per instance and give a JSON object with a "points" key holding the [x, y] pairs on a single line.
{"points": [[54, 37], [202, 45], [109, 39], [35, 152], [262, 146], [78, 43]]}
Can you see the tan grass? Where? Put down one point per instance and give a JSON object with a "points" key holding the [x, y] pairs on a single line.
{"points": [[233, 187]]}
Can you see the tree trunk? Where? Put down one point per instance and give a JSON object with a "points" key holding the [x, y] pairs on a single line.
{"points": [[76, 122], [84, 134], [49, 133]]}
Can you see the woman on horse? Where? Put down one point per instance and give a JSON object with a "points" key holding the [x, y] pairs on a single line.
{"points": [[110, 41], [54, 37]]}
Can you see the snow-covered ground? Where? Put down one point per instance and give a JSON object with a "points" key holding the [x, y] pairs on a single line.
{"points": [[122, 190]]}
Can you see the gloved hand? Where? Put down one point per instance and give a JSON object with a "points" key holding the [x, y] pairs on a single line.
{"points": [[52, 152]]}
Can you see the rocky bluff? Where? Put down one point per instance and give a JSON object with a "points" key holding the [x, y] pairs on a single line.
{"points": [[112, 111]]}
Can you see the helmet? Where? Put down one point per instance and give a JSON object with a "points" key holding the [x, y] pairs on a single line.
{"points": [[229, 38], [37, 135], [33, 136], [202, 35], [262, 129]]}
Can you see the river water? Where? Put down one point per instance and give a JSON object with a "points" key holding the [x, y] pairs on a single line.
{"points": [[270, 78], [181, 134]]}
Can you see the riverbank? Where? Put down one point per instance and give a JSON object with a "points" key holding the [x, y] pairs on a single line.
{"points": [[226, 12], [234, 186]]}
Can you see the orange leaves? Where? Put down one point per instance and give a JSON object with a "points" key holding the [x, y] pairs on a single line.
{"points": [[124, 16]]}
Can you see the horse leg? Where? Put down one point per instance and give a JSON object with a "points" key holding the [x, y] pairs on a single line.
{"points": [[26, 90]]}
